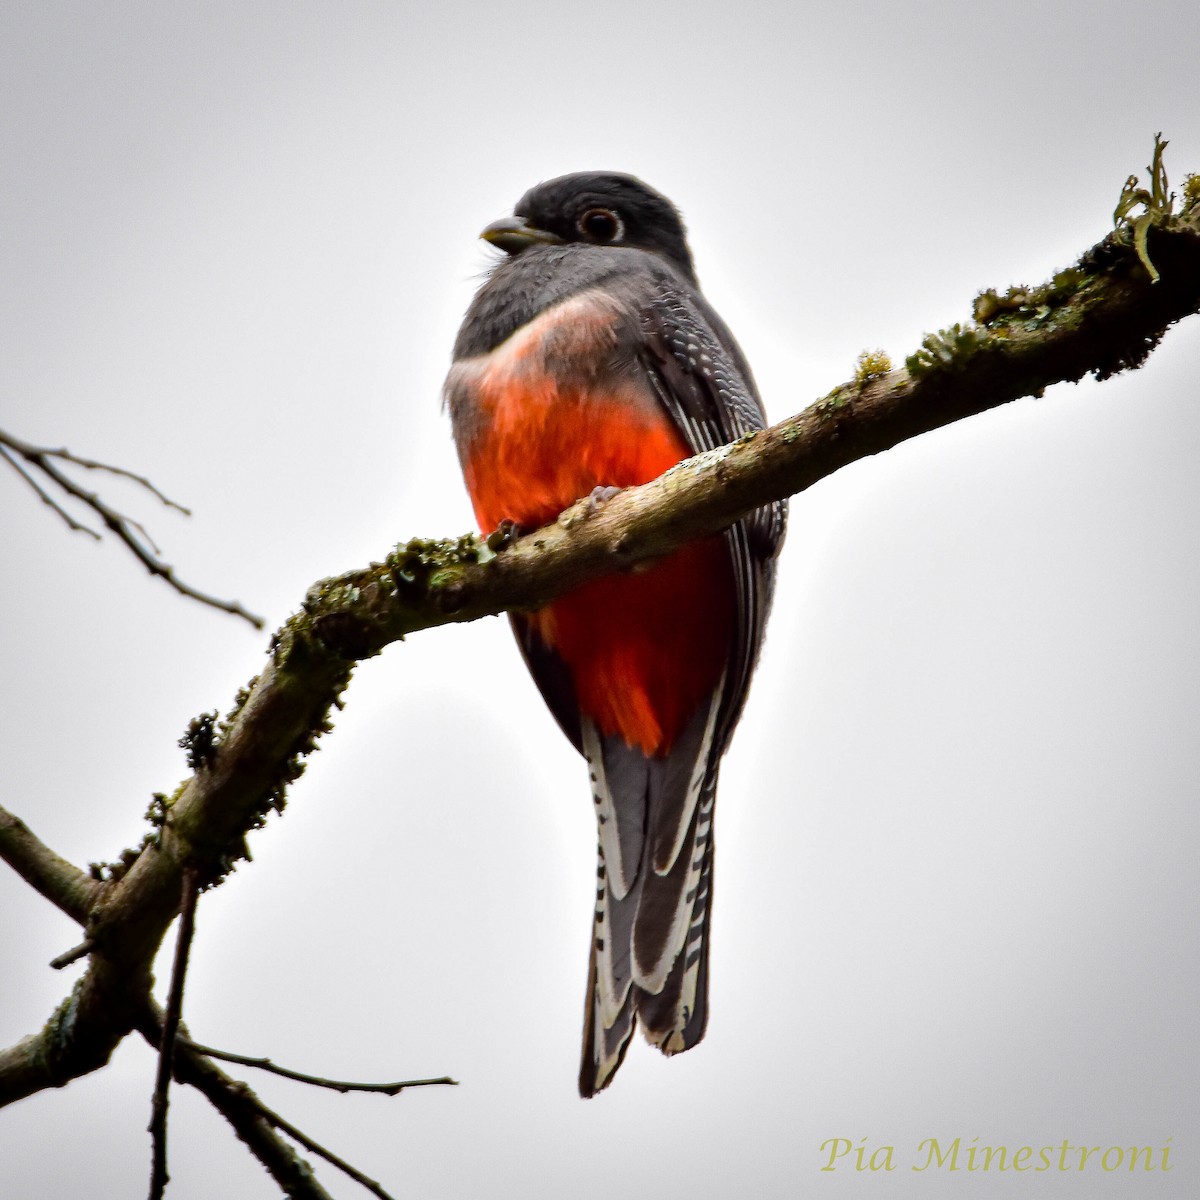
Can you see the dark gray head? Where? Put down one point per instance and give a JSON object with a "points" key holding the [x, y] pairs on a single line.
{"points": [[597, 208]]}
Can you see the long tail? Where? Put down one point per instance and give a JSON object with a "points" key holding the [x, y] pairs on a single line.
{"points": [[649, 954]]}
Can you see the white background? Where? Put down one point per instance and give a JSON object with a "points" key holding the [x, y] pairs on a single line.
{"points": [[957, 832]]}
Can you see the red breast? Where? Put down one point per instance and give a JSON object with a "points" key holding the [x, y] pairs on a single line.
{"points": [[646, 648]]}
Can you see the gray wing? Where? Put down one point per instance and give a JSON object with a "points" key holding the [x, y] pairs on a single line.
{"points": [[702, 379]]}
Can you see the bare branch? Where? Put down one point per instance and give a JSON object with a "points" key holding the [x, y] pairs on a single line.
{"points": [[61, 882], [124, 528], [337, 1085], [73, 525], [298, 1135], [170, 1028], [250, 1117], [73, 955], [92, 465], [241, 1108]]}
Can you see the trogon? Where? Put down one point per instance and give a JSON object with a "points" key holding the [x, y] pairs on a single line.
{"points": [[589, 361]]}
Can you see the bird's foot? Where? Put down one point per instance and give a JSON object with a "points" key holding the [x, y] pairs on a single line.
{"points": [[601, 495], [503, 535]]}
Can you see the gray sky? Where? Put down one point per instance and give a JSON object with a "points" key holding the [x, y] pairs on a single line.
{"points": [[958, 827]]}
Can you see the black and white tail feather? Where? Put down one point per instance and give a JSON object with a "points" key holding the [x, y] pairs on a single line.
{"points": [[649, 958]]}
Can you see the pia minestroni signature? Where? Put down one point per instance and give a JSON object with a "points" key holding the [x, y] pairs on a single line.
{"points": [[966, 1154]]}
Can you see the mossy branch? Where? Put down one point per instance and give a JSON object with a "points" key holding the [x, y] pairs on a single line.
{"points": [[1101, 316]]}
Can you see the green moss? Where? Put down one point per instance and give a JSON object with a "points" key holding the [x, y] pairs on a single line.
{"points": [[1030, 308], [59, 1029], [199, 740], [1191, 191], [158, 814], [158, 809], [292, 647], [425, 563], [291, 768], [1157, 201], [341, 595], [871, 364], [945, 349], [989, 305], [239, 702], [834, 400], [110, 872]]}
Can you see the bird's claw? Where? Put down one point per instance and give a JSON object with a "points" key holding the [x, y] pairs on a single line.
{"points": [[503, 535], [601, 495]]}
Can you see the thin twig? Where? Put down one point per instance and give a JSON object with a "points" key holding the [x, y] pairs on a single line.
{"points": [[124, 528], [337, 1085], [72, 524], [313, 1147], [170, 1027], [92, 465], [240, 1107], [139, 528], [67, 957], [192, 1057]]}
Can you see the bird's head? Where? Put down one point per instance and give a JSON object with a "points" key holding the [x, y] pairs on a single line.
{"points": [[595, 208]]}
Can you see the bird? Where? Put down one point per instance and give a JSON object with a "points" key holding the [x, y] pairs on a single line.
{"points": [[587, 362]]}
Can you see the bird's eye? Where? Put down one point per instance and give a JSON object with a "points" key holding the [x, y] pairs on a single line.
{"points": [[601, 225]]}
